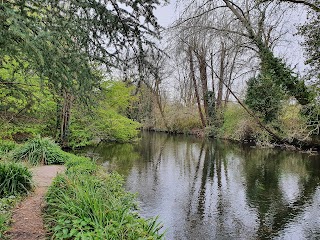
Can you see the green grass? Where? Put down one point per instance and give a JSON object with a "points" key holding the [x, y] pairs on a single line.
{"points": [[86, 203], [39, 151], [5, 147], [6, 205], [15, 179], [237, 124]]}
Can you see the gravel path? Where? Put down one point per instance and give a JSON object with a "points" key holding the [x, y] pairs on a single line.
{"points": [[27, 217]]}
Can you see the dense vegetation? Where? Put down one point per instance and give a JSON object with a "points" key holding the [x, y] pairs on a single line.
{"points": [[82, 73], [15, 182], [83, 203], [54, 66], [86, 203]]}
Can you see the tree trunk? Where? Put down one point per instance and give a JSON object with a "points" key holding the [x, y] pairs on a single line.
{"points": [[193, 78], [65, 118], [221, 76], [230, 79], [204, 81], [159, 102]]}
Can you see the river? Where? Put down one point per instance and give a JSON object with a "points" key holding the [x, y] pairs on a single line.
{"points": [[211, 189]]}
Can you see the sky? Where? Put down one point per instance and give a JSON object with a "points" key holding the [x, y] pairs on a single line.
{"points": [[290, 49], [166, 14]]}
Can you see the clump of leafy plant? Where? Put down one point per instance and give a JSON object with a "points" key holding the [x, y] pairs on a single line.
{"points": [[6, 205], [15, 179], [5, 147], [39, 151], [82, 165], [93, 205]]}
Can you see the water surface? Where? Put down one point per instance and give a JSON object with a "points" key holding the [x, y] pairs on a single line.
{"points": [[208, 189]]}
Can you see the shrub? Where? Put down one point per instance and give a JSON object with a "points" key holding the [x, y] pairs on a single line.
{"points": [[292, 123], [94, 206], [237, 124], [264, 96], [5, 147], [14, 179], [80, 165], [179, 119], [39, 150]]}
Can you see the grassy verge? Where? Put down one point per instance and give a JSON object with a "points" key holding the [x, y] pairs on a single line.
{"points": [[6, 206], [39, 151], [15, 182], [86, 203]]}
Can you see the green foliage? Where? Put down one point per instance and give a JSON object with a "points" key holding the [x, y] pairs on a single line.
{"points": [[60, 46], [94, 205], [6, 205], [80, 165], [27, 107], [110, 121], [110, 125], [39, 151], [278, 75], [61, 43], [237, 124], [106, 120], [6, 146], [118, 95], [80, 133], [14, 179], [264, 97], [292, 123]]}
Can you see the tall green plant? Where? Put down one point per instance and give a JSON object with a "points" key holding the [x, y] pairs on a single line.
{"points": [[39, 151], [93, 205], [264, 96], [14, 179]]}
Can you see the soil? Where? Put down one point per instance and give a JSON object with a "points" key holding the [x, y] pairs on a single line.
{"points": [[27, 222]]}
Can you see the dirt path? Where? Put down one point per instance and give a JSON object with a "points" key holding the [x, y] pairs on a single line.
{"points": [[27, 220]]}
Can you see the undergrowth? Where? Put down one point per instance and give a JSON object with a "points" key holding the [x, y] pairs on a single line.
{"points": [[5, 147], [39, 151], [6, 206], [86, 203], [15, 179]]}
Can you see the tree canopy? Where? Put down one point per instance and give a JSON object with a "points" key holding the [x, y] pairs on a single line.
{"points": [[62, 40]]}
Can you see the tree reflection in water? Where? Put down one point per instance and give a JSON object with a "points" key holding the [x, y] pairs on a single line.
{"points": [[217, 190]]}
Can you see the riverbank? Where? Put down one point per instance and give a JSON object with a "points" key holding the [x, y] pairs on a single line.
{"points": [[83, 202], [289, 131]]}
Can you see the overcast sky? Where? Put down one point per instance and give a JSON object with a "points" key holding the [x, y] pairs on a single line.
{"points": [[290, 50], [166, 14]]}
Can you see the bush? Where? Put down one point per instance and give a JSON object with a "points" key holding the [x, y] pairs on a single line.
{"points": [[237, 124], [15, 179], [292, 123], [179, 119], [94, 206], [5, 147], [39, 150], [80, 165], [264, 96]]}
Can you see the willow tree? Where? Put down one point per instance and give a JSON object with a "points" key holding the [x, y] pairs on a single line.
{"points": [[65, 41]]}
